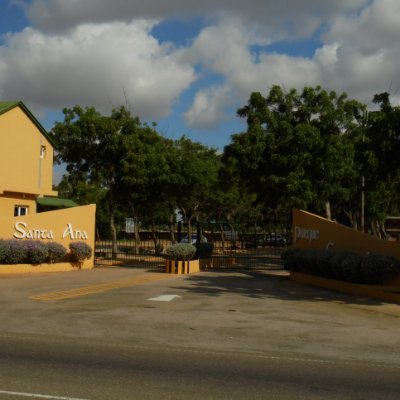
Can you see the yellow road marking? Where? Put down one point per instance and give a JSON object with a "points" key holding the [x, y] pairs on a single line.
{"points": [[102, 287]]}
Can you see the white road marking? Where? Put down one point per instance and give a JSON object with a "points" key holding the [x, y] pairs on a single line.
{"points": [[38, 396], [165, 297]]}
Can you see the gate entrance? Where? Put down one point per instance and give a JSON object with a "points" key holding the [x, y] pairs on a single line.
{"points": [[218, 247]]}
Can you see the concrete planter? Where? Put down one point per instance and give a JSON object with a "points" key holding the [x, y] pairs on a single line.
{"points": [[388, 293], [42, 268], [182, 267]]}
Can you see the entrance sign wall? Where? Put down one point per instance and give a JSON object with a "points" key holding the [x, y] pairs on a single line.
{"points": [[64, 226], [313, 231]]}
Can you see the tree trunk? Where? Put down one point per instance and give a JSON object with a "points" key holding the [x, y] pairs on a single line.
{"points": [[353, 219], [222, 237], [157, 249], [113, 231], [189, 229], [136, 226], [328, 210], [172, 227]]}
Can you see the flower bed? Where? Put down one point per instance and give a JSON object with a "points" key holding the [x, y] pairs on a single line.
{"points": [[369, 275], [26, 256], [370, 269]]}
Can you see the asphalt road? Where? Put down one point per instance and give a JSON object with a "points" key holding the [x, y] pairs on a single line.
{"points": [[59, 368], [216, 335]]}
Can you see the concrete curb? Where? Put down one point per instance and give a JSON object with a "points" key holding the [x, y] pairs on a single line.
{"points": [[389, 294], [14, 269]]}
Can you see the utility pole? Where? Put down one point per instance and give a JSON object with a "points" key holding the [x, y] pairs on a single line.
{"points": [[365, 119], [362, 203]]}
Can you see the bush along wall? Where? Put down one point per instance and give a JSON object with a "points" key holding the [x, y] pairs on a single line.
{"points": [[80, 251], [181, 252], [371, 269], [36, 252]]}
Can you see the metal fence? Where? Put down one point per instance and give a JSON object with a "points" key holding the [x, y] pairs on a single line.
{"points": [[227, 249]]}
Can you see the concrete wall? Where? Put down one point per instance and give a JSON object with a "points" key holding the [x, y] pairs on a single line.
{"points": [[312, 231], [75, 224]]}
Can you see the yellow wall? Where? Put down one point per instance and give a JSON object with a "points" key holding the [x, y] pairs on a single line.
{"points": [[76, 224], [21, 167], [312, 231], [9, 200]]}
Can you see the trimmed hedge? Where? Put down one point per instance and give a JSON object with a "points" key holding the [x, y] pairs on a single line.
{"points": [[57, 252], [204, 250], [79, 251], [371, 269], [36, 252], [181, 251]]}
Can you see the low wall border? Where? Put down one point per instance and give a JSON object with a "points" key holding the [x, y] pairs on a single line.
{"points": [[383, 293], [10, 269]]}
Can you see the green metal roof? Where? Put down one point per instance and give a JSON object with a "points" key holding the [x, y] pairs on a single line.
{"points": [[55, 202], [9, 105]]}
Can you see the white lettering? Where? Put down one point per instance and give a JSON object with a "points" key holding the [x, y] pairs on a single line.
{"points": [[22, 233], [74, 234], [19, 230], [68, 232], [308, 234]]}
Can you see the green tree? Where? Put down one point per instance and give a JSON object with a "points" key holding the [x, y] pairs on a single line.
{"points": [[196, 169], [296, 151], [378, 153], [100, 150]]}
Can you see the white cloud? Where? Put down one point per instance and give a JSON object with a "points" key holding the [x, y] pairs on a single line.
{"points": [[293, 17], [368, 56], [93, 51], [226, 50], [96, 64], [360, 55], [208, 107]]}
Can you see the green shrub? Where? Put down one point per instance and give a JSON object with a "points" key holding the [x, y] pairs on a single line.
{"points": [[17, 252], [336, 265], [181, 251], [370, 268], [36, 252], [310, 261], [30, 252], [4, 250], [324, 263], [289, 257], [351, 267], [346, 266], [79, 251], [204, 250], [377, 269], [56, 252]]}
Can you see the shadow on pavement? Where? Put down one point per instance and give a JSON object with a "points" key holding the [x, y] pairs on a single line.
{"points": [[265, 284]]}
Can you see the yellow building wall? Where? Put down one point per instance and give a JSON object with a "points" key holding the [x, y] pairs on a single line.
{"points": [[9, 200], [313, 231], [75, 224], [22, 169]]}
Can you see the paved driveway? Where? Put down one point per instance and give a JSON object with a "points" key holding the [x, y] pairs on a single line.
{"points": [[225, 310]]}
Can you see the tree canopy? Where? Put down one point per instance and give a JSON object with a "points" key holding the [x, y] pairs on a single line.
{"points": [[315, 149]]}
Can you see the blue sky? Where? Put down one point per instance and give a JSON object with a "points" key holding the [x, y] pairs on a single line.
{"points": [[188, 65]]}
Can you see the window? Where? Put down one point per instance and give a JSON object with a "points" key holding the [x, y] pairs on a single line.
{"points": [[20, 210], [42, 151]]}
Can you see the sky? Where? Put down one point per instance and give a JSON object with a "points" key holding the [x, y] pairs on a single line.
{"points": [[188, 65]]}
